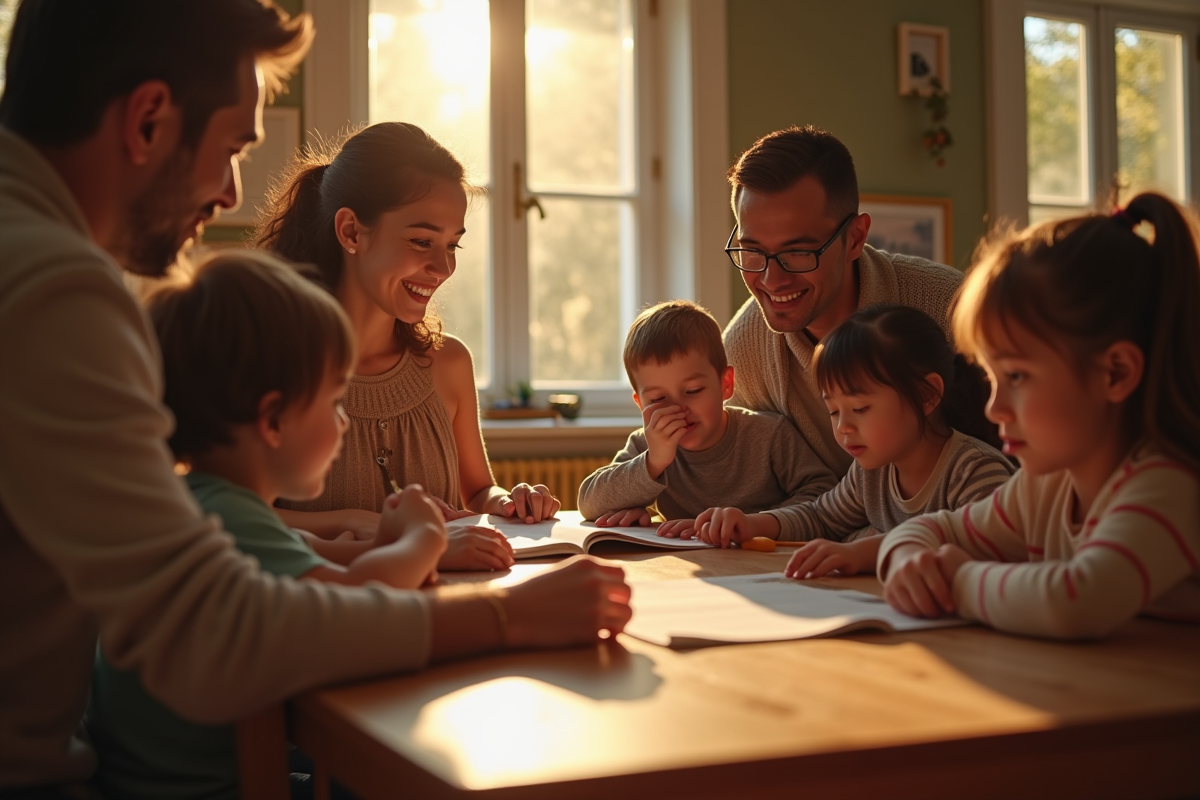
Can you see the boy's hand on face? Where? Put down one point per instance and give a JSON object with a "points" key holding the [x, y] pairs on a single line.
{"points": [[665, 424]]}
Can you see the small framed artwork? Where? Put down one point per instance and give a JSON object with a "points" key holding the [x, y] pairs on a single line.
{"points": [[924, 58], [913, 226], [281, 139]]}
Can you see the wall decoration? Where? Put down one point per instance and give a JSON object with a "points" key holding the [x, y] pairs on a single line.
{"points": [[924, 55], [914, 226], [281, 126]]}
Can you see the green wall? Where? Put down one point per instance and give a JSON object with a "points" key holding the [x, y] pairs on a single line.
{"points": [[832, 63], [294, 97]]}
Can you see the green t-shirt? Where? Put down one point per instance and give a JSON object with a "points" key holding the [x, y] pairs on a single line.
{"points": [[145, 749]]}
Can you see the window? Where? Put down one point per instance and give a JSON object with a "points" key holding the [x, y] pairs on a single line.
{"points": [[1109, 107], [553, 106]]}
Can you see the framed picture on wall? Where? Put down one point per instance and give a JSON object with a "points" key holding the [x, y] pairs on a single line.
{"points": [[914, 226], [924, 56], [281, 128]]}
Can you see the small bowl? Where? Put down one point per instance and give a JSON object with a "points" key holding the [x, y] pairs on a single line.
{"points": [[567, 405]]}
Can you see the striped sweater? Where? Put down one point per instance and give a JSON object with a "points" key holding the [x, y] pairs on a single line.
{"points": [[1037, 572], [967, 470]]}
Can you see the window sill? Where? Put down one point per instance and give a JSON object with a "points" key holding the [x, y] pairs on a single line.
{"points": [[548, 438]]}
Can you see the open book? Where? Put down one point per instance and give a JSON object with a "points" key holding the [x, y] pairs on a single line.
{"points": [[696, 612], [569, 534]]}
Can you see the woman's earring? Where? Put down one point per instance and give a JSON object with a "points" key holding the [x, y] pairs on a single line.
{"points": [[350, 250]]}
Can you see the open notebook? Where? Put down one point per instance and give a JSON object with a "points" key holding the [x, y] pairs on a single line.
{"points": [[696, 612], [569, 534]]}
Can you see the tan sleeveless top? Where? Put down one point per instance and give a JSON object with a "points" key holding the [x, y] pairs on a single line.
{"points": [[397, 417]]}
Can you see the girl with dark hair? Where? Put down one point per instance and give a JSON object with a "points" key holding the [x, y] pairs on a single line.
{"points": [[381, 218], [1090, 331], [910, 413]]}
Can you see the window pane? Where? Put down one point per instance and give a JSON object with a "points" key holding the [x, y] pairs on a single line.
{"points": [[581, 282], [1056, 108], [7, 9], [1150, 112], [463, 301], [579, 94], [430, 65]]}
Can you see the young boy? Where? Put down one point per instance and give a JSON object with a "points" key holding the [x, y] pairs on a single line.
{"points": [[256, 359], [693, 453]]}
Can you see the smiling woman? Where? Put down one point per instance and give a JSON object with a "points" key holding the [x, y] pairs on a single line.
{"points": [[382, 217]]}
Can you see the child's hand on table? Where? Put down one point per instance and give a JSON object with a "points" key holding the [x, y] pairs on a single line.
{"points": [[664, 426], [821, 557], [722, 527], [677, 529], [477, 548], [412, 516], [529, 504], [920, 581], [625, 518]]}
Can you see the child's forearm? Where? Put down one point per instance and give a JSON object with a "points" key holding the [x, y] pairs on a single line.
{"points": [[339, 552], [403, 564], [331, 524]]}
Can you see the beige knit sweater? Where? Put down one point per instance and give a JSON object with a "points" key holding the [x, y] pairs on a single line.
{"points": [[774, 370], [396, 416], [97, 534]]}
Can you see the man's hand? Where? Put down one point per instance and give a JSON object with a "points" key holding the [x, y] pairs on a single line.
{"points": [[664, 425], [625, 518]]}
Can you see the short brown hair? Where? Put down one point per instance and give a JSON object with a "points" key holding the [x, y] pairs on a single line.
{"points": [[244, 324], [671, 329], [68, 60], [776, 161]]}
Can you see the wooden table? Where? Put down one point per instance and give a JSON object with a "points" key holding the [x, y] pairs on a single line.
{"points": [[963, 712]]}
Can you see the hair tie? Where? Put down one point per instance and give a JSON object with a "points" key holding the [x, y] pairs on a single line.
{"points": [[1123, 216]]}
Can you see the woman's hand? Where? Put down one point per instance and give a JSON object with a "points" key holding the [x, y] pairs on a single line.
{"points": [[529, 504], [568, 605]]}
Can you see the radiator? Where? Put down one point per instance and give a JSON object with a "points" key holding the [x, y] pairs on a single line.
{"points": [[561, 475]]}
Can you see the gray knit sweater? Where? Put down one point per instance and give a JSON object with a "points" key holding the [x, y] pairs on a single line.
{"points": [[774, 370], [967, 470], [760, 463]]}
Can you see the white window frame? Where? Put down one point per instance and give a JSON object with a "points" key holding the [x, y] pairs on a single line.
{"points": [[683, 153], [1008, 184]]}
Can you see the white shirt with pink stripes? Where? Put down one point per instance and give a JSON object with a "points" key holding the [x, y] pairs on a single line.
{"points": [[1039, 573]]}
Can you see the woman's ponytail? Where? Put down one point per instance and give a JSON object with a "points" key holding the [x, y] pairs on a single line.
{"points": [[293, 224]]}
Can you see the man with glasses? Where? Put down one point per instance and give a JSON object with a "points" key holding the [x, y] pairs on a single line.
{"points": [[800, 245]]}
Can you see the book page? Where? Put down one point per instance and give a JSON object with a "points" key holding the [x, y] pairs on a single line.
{"points": [[757, 608], [568, 526]]}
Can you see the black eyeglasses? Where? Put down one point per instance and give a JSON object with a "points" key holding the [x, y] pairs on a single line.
{"points": [[747, 259]]}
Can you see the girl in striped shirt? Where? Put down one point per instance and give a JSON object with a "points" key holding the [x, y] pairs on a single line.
{"points": [[910, 412], [1090, 331]]}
